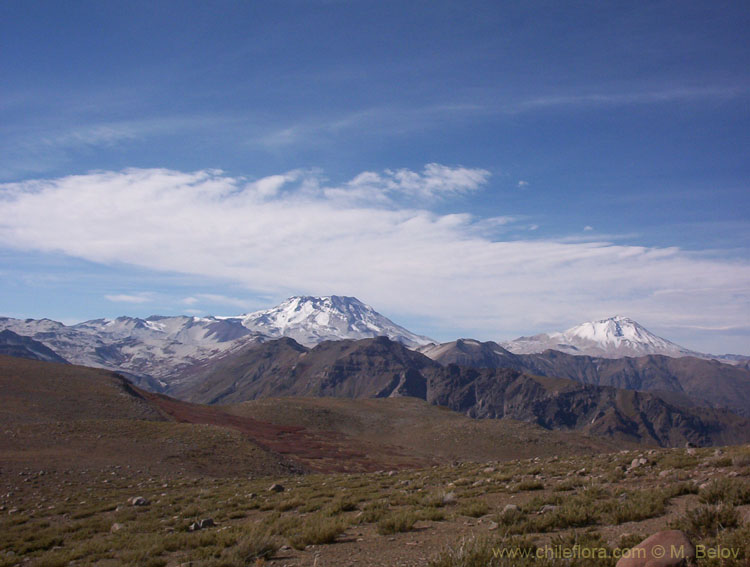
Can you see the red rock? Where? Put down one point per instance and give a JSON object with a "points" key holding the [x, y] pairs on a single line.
{"points": [[670, 548]]}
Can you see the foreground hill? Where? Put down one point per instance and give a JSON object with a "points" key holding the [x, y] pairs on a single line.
{"points": [[380, 368], [427, 432], [686, 380], [65, 416]]}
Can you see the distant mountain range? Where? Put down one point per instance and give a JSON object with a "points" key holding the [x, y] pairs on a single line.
{"points": [[380, 368], [686, 380], [639, 387], [149, 351], [13, 344]]}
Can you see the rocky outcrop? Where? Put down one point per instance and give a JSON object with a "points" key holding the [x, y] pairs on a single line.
{"points": [[669, 548]]}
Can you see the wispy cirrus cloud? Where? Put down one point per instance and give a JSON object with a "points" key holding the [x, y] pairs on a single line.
{"points": [[293, 233], [217, 299], [142, 297], [488, 103], [654, 96]]}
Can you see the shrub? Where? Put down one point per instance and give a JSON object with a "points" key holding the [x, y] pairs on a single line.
{"points": [[473, 508], [526, 485], [726, 491], [397, 522], [373, 512], [708, 521], [432, 514], [485, 553], [257, 543], [741, 459], [317, 530], [639, 506]]}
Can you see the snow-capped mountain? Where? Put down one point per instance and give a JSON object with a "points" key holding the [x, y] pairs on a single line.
{"points": [[13, 344], [614, 337], [311, 320], [147, 350], [151, 350]]}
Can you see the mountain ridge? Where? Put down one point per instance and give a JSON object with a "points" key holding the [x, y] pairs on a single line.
{"points": [[380, 368], [152, 350], [697, 381]]}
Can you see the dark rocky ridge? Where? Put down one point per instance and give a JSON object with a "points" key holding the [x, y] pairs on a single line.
{"points": [[373, 368], [13, 344], [685, 380]]}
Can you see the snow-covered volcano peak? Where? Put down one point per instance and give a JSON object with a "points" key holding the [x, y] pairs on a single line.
{"points": [[615, 330], [613, 337], [310, 320]]}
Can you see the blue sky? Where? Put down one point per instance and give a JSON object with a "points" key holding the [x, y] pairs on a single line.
{"points": [[485, 169]]}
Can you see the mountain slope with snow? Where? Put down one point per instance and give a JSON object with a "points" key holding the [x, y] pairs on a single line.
{"points": [[146, 350], [614, 337], [152, 350], [311, 320]]}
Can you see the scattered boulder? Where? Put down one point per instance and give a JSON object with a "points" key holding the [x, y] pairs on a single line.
{"points": [[138, 501], [449, 498], [669, 548], [510, 508], [548, 508], [116, 527], [275, 488], [201, 525]]}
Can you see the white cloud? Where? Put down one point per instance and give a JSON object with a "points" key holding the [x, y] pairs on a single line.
{"points": [[217, 299], [144, 297], [223, 300], [588, 228], [523, 184], [435, 181], [291, 234]]}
